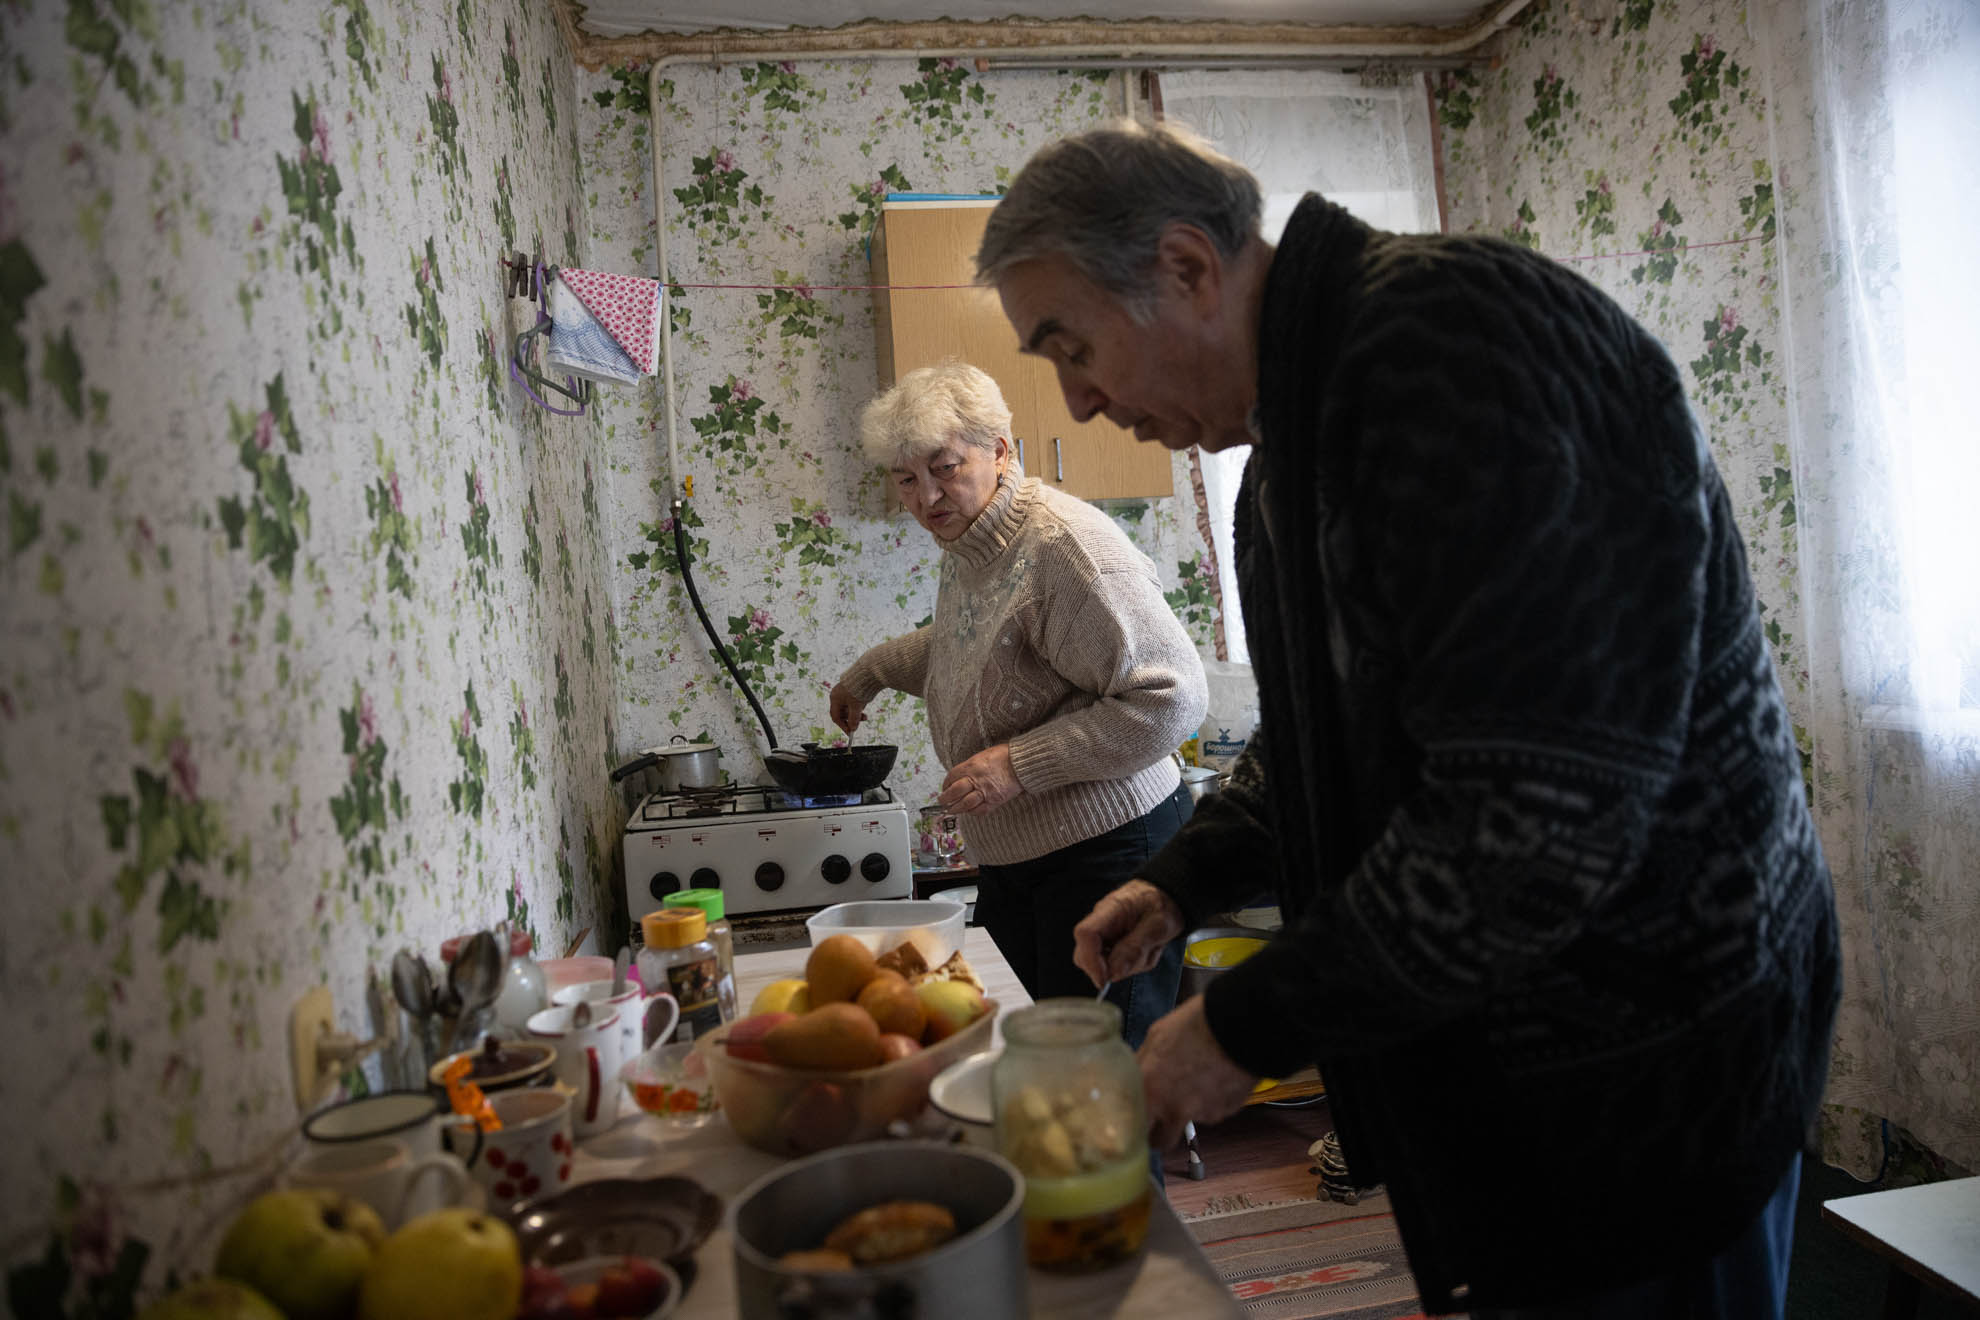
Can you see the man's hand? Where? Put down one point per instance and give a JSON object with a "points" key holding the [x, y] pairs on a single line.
{"points": [[1186, 1075], [1126, 932], [984, 781], [847, 712]]}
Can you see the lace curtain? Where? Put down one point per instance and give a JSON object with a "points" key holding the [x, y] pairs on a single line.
{"points": [[1367, 148], [1874, 111]]}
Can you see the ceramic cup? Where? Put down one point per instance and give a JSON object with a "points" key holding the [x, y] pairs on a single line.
{"points": [[530, 1155], [414, 1117], [587, 1061], [643, 1018], [385, 1175]]}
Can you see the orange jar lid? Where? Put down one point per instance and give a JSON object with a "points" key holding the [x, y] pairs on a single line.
{"points": [[673, 927]]}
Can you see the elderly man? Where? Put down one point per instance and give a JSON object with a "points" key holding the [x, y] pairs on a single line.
{"points": [[1557, 927]]}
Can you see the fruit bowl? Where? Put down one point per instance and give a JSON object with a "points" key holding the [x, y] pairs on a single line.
{"points": [[796, 1111]]}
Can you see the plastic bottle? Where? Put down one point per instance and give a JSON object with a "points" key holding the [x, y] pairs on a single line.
{"points": [[712, 905], [680, 959]]}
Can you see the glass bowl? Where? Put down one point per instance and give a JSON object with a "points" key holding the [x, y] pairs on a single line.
{"points": [[671, 1083], [799, 1111]]}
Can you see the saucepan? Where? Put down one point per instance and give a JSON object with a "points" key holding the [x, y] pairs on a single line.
{"points": [[680, 764], [814, 771]]}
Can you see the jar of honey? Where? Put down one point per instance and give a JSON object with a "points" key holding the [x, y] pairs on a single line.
{"points": [[1068, 1107]]}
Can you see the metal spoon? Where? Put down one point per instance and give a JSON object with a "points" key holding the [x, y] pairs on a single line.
{"points": [[476, 977], [620, 962], [412, 986]]}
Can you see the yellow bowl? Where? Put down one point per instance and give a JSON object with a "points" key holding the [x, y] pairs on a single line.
{"points": [[1228, 951]]}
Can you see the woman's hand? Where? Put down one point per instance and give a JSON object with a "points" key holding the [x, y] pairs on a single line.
{"points": [[847, 711], [1126, 932], [983, 782]]}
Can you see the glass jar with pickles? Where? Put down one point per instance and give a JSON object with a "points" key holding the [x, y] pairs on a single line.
{"points": [[1068, 1108]]}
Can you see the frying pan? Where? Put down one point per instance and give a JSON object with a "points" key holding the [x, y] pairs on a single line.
{"points": [[815, 771]]}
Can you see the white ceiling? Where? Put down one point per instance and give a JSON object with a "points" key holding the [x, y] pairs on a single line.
{"points": [[613, 18]]}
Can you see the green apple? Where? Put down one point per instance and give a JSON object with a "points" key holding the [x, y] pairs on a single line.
{"points": [[212, 1299], [303, 1248], [460, 1264]]}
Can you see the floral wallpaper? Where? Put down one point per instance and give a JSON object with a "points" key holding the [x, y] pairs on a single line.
{"points": [[775, 174], [308, 644], [1638, 144]]}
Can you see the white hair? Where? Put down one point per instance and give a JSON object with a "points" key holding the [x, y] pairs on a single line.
{"points": [[952, 403]]}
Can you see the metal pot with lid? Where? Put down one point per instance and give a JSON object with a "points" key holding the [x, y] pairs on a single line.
{"points": [[680, 764]]}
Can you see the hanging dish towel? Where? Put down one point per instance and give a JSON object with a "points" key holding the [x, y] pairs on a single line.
{"points": [[604, 326]]}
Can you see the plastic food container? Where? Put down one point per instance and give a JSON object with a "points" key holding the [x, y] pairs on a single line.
{"points": [[799, 1111], [932, 925]]}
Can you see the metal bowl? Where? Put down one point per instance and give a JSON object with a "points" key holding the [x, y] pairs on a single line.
{"points": [[1195, 979], [979, 1274], [661, 1218]]}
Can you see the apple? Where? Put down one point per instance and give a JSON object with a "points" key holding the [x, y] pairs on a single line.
{"points": [[894, 1046], [305, 1249], [632, 1288], [745, 1039], [951, 1005], [457, 1263], [212, 1299]]}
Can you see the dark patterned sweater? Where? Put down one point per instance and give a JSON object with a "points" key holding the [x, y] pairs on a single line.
{"points": [[1558, 930]]}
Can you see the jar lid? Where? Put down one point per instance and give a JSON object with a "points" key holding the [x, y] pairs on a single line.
{"points": [[673, 927], [708, 900], [1054, 1023]]}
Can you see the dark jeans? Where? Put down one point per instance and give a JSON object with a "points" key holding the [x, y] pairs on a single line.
{"points": [[1746, 1281], [1030, 909]]}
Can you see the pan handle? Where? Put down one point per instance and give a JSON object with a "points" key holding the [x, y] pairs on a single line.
{"points": [[633, 767]]}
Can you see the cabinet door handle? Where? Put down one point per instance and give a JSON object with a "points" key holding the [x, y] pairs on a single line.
{"points": [[1058, 459]]}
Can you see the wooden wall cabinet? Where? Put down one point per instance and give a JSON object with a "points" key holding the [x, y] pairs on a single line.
{"points": [[934, 243]]}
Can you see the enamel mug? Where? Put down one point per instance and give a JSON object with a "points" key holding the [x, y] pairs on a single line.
{"points": [[588, 1059], [643, 1018]]}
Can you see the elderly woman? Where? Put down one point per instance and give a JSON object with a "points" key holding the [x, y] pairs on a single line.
{"points": [[1057, 681]]}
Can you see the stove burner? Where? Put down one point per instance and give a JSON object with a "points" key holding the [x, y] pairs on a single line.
{"points": [[747, 800], [711, 801], [793, 801]]}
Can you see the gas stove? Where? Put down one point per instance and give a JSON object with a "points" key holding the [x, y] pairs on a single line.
{"points": [[766, 850]]}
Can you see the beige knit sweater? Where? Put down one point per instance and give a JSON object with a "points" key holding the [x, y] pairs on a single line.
{"points": [[1050, 634]]}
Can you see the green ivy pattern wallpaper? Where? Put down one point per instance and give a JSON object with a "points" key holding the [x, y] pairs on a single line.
{"points": [[1640, 147], [303, 598], [1635, 149], [774, 175]]}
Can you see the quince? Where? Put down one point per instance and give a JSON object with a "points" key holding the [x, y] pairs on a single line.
{"points": [[303, 1248], [456, 1263]]}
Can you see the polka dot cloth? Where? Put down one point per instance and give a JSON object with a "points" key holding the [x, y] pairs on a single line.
{"points": [[627, 306]]}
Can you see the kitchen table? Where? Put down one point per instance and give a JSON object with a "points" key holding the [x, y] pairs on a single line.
{"points": [[1171, 1277]]}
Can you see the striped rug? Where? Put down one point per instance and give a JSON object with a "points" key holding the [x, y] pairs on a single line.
{"points": [[1312, 1258]]}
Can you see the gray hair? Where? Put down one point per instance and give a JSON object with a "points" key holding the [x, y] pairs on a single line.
{"points": [[930, 407], [1102, 199]]}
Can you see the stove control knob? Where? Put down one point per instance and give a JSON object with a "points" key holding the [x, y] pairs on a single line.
{"points": [[705, 878], [875, 866], [769, 876], [836, 870], [663, 884]]}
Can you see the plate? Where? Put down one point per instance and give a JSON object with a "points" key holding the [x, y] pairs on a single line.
{"points": [[664, 1218]]}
